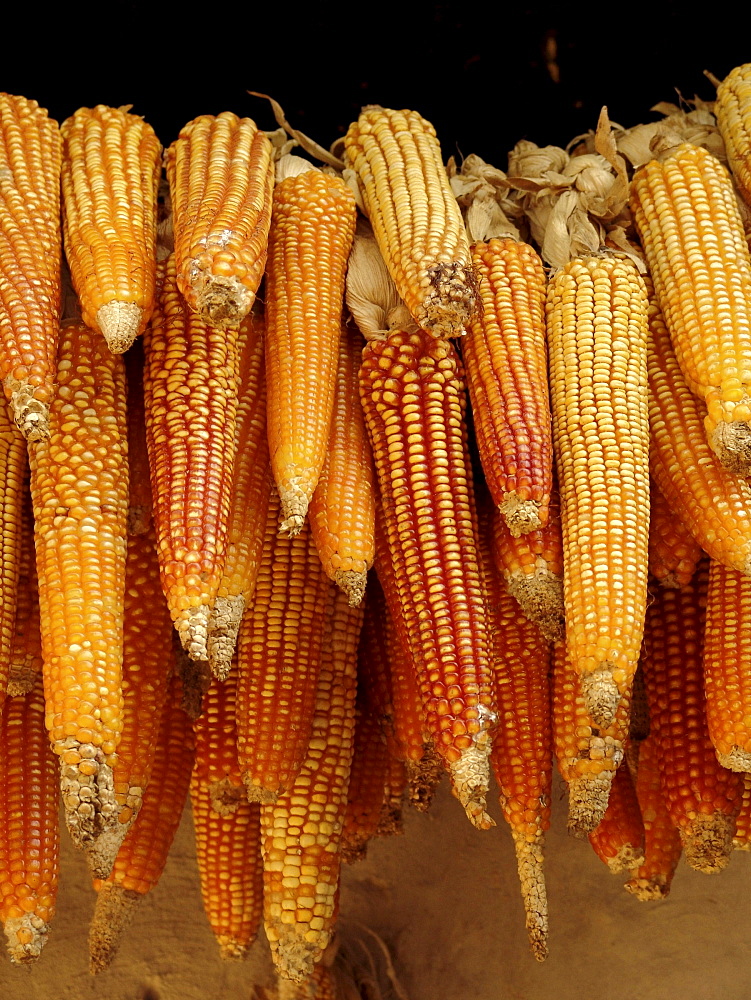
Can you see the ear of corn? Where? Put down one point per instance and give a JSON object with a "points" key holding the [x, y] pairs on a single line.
{"points": [[673, 551], [217, 767], [13, 477], [396, 160], [733, 110], [618, 839], [30, 249], [370, 766], [742, 836], [26, 641], [110, 174], [221, 178]]}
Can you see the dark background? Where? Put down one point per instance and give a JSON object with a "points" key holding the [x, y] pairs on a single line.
{"points": [[485, 75]]}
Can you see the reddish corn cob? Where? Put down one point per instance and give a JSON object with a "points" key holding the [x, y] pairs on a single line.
{"points": [[673, 551], [390, 820], [727, 665], [618, 839], [28, 825], [742, 837], [662, 842], [532, 568], [301, 831], [342, 510], [319, 985], [143, 854], [217, 767], [251, 491], [79, 489], [26, 643], [638, 726], [279, 660], [190, 390], [311, 235], [588, 755], [221, 178], [373, 664], [140, 500], [413, 399], [703, 798], [228, 851], [597, 336], [370, 765], [30, 249], [13, 472], [712, 502], [504, 353], [110, 175]]}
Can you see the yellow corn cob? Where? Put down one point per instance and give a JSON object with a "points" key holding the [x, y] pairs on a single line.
{"points": [[732, 108], [30, 250], [13, 472], [221, 178], [79, 489], [416, 220], [110, 174], [28, 825], [26, 644], [673, 551], [597, 336], [311, 236], [685, 210]]}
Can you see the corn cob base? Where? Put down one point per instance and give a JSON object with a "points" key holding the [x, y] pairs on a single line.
{"points": [[353, 585], [708, 841], [731, 442], [224, 627], [25, 938], [113, 912], [529, 864], [119, 323], [31, 415], [91, 808], [647, 890], [540, 596], [423, 777], [450, 301], [627, 859], [221, 300], [521, 516], [225, 796]]}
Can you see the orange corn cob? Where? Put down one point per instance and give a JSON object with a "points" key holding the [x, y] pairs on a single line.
{"points": [[110, 175], [712, 502], [30, 249], [618, 839], [26, 642], [279, 660], [13, 472], [217, 766], [190, 389], [301, 831], [140, 500], [79, 489], [687, 217], [390, 821], [733, 110], [221, 178], [321, 984], [638, 726], [504, 353], [370, 766], [588, 755], [662, 842], [397, 163], [28, 825], [703, 798], [532, 568], [228, 851], [311, 235], [727, 665], [342, 510], [143, 854], [249, 503], [742, 837], [597, 336], [673, 551], [373, 663], [413, 397]]}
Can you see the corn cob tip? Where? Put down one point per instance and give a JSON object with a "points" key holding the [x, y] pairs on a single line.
{"points": [[26, 936], [628, 858], [102, 851], [230, 949], [221, 300], [224, 626], [256, 793], [529, 863], [390, 822], [540, 596], [31, 416], [113, 912], [669, 581], [120, 323], [452, 298], [520, 516], [737, 760], [353, 852], [470, 780], [225, 797], [193, 629], [88, 795], [648, 889], [601, 694], [353, 585], [195, 678], [21, 681], [294, 503], [423, 777], [588, 796], [295, 958], [731, 441], [139, 519], [708, 842]]}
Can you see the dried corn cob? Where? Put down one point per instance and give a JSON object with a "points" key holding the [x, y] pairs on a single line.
{"points": [[228, 851], [217, 766], [673, 551], [30, 249], [618, 839], [390, 821], [311, 235], [28, 825], [373, 664], [733, 110], [686, 214], [342, 510], [727, 665], [396, 160], [321, 984], [143, 854], [370, 766], [221, 178], [712, 502], [702, 797], [251, 490], [279, 660], [662, 842], [140, 500], [13, 473], [742, 836], [597, 335], [413, 397], [26, 642], [79, 489], [504, 353], [190, 390], [301, 831], [110, 175]]}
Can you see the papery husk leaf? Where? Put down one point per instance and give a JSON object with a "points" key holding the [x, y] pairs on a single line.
{"points": [[371, 294]]}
